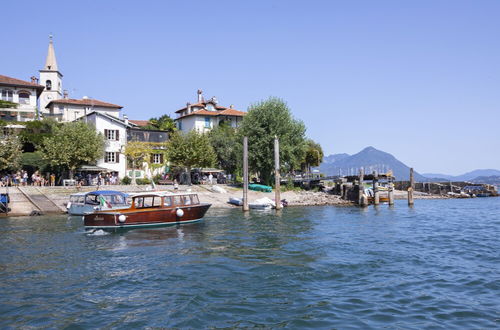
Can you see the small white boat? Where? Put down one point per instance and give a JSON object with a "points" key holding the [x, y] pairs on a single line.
{"points": [[100, 200], [263, 203], [235, 201]]}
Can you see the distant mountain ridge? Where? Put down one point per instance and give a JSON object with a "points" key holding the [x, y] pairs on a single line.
{"points": [[370, 159], [469, 176]]}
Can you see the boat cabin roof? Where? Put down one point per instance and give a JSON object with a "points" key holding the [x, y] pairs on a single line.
{"points": [[161, 194], [101, 192]]}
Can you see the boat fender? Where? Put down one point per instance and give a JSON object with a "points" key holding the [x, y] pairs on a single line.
{"points": [[68, 205], [122, 218], [179, 213]]}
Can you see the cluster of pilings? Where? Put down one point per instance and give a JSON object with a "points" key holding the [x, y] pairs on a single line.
{"points": [[277, 187], [352, 188]]}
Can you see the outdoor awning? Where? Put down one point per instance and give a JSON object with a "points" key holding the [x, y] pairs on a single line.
{"points": [[93, 168]]}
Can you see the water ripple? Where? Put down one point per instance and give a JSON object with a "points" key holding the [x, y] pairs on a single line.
{"points": [[433, 266]]}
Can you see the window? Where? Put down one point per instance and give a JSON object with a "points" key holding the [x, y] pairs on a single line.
{"points": [[24, 98], [207, 122], [112, 157], [7, 95], [157, 158], [61, 108], [112, 134], [179, 125], [147, 201], [48, 85], [177, 200], [187, 200], [167, 201]]}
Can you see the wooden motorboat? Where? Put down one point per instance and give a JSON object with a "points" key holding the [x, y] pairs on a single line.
{"points": [[150, 209]]}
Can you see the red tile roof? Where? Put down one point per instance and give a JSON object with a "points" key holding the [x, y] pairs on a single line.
{"points": [[227, 112], [89, 102], [4, 80], [140, 123]]}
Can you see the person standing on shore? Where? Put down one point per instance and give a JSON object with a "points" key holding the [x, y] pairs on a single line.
{"points": [[52, 180]]}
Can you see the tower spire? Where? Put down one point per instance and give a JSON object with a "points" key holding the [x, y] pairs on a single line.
{"points": [[50, 62]]}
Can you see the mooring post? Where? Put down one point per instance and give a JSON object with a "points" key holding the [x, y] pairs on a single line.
{"points": [[245, 174], [376, 194], [390, 191], [277, 180], [362, 199], [410, 189]]}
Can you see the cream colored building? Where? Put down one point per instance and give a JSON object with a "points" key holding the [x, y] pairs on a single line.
{"points": [[206, 115], [24, 93]]}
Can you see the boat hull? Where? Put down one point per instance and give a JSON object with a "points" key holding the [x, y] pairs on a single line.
{"points": [[152, 217]]}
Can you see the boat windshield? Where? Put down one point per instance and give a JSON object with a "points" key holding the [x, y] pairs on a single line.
{"points": [[111, 199]]}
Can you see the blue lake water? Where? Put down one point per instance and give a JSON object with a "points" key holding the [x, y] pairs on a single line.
{"points": [[436, 265]]}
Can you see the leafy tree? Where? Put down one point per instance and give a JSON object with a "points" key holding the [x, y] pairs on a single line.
{"points": [[10, 153], [32, 161], [263, 122], [191, 150], [73, 144], [313, 155], [136, 152], [227, 147], [164, 123], [36, 131]]}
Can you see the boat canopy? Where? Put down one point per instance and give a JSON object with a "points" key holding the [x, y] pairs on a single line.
{"points": [[106, 192]]}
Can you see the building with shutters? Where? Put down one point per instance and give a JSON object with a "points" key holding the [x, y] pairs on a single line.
{"points": [[117, 133], [206, 115]]}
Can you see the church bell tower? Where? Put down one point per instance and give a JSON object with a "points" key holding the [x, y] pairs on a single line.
{"points": [[51, 78]]}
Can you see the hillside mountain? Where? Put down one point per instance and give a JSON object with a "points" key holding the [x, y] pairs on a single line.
{"points": [[333, 158], [370, 159], [493, 180], [469, 176]]}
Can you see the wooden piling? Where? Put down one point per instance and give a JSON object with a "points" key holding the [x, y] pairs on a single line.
{"points": [[362, 198], [410, 189], [245, 174], [277, 180], [376, 194], [390, 192]]}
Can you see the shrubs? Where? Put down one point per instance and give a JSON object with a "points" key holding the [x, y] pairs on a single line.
{"points": [[126, 180], [143, 181]]}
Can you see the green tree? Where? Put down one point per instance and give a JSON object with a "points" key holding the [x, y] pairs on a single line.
{"points": [[164, 123], [36, 131], [190, 150], [73, 144], [136, 152], [10, 153], [263, 122], [227, 147], [313, 155]]}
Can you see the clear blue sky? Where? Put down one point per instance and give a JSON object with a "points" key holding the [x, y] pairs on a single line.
{"points": [[418, 79]]}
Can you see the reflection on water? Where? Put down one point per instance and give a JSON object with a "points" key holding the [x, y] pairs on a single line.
{"points": [[434, 265]]}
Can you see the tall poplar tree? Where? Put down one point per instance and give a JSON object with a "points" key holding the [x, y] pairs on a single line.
{"points": [[263, 122]]}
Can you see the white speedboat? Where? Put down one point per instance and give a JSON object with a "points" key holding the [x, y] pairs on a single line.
{"points": [[100, 200]]}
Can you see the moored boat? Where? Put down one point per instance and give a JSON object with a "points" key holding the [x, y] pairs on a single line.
{"points": [[150, 209], [88, 202]]}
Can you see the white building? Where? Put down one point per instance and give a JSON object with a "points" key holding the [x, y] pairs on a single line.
{"points": [[205, 115], [66, 109], [24, 93], [51, 78], [117, 132]]}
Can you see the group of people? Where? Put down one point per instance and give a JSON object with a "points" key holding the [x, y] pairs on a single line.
{"points": [[21, 178], [101, 179]]}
